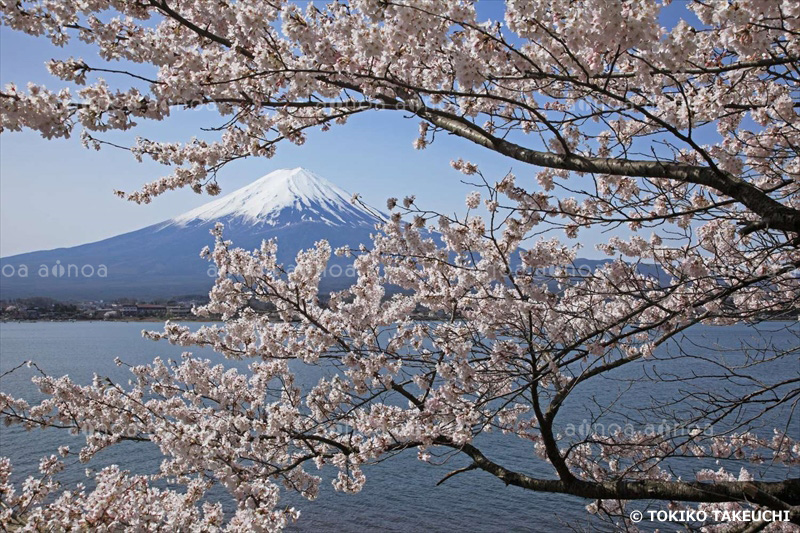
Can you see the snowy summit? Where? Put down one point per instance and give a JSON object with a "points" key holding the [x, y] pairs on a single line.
{"points": [[282, 197]]}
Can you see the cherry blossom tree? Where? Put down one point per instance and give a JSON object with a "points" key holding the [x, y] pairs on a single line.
{"points": [[680, 141]]}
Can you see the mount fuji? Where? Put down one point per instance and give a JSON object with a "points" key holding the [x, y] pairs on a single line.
{"points": [[296, 206]]}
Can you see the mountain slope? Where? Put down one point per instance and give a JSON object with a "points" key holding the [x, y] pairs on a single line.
{"points": [[296, 206]]}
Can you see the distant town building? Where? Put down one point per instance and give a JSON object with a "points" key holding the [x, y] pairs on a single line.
{"points": [[150, 309], [178, 310]]}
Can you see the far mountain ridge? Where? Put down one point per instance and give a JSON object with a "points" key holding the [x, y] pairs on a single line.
{"points": [[296, 206]]}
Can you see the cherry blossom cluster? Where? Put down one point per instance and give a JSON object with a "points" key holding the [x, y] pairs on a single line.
{"points": [[678, 145], [588, 79], [505, 318]]}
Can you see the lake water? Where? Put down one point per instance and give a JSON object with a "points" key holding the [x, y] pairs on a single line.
{"points": [[400, 495]]}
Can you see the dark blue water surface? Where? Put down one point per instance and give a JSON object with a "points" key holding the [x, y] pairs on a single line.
{"points": [[400, 495]]}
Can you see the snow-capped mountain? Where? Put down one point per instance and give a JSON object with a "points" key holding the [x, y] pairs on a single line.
{"points": [[295, 206], [282, 198]]}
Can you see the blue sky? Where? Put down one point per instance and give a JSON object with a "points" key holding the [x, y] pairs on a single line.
{"points": [[57, 193]]}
